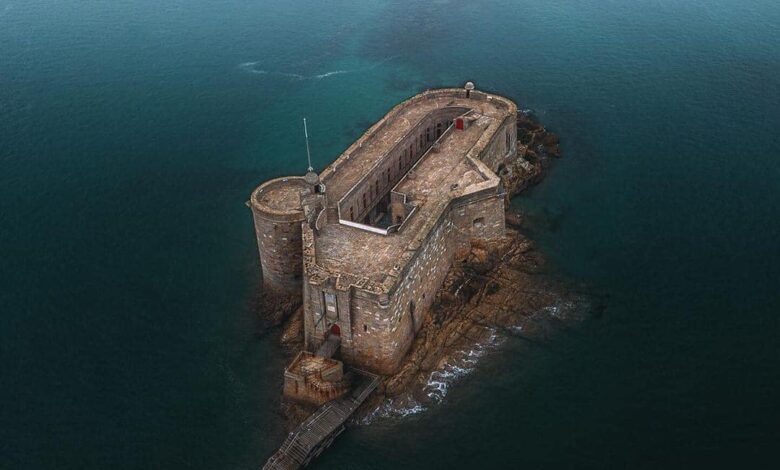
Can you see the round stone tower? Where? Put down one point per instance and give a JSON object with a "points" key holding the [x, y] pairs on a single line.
{"points": [[276, 209]]}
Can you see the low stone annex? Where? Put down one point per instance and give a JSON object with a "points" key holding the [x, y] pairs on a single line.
{"points": [[369, 240]]}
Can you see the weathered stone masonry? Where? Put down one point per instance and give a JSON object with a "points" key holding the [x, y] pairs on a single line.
{"points": [[370, 241], [277, 215]]}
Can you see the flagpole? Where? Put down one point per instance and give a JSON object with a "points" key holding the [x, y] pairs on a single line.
{"points": [[308, 154]]}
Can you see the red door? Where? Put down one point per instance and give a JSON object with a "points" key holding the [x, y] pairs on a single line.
{"points": [[335, 330], [459, 124]]}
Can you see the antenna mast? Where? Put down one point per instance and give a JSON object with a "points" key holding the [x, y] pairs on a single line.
{"points": [[308, 154]]}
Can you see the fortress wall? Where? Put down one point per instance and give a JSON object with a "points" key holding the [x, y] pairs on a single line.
{"points": [[377, 337], [480, 216], [375, 186], [279, 244], [387, 120], [312, 309], [371, 329], [277, 216], [503, 144], [382, 335]]}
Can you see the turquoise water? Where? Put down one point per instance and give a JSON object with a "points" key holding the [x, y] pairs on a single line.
{"points": [[131, 133]]}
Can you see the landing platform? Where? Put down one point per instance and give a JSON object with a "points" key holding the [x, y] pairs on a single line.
{"points": [[319, 430]]}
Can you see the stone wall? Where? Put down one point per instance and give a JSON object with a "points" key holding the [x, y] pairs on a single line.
{"points": [[481, 217], [382, 334], [375, 186], [502, 146], [314, 380], [279, 243], [278, 233]]}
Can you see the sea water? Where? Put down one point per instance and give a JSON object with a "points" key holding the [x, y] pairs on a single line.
{"points": [[133, 131]]}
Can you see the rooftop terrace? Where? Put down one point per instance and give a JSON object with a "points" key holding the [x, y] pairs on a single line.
{"points": [[367, 151], [447, 171]]}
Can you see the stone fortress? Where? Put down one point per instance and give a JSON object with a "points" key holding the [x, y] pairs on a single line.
{"points": [[368, 241]]}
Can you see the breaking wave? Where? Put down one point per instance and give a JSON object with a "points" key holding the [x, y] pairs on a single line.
{"points": [[393, 408], [432, 387], [457, 366]]}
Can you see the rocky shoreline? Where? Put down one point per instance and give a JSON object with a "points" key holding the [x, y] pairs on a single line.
{"points": [[495, 288]]}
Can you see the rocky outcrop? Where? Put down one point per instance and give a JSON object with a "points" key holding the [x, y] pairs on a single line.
{"points": [[275, 308], [292, 336], [496, 286], [535, 136], [535, 146]]}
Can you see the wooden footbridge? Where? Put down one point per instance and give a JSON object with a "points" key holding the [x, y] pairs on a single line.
{"points": [[320, 429]]}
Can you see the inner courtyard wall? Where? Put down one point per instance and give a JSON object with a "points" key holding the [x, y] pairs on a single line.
{"points": [[373, 189]]}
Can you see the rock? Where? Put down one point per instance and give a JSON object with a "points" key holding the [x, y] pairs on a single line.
{"points": [[274, 308], [462, 253], [514, 219], [502, 297], [550, 138], [553, 150], [478, 255], [293, 329]]}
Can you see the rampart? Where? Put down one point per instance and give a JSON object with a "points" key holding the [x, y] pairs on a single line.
{"points": [[371, 240]]}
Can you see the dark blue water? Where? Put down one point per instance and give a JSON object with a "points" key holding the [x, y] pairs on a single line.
{"points": [[131, 133]]}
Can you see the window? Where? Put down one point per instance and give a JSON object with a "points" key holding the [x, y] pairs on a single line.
{"points": [[365, 328], [411, 307], [351, 213], [479, 222], [508, 140], [331, 309]]}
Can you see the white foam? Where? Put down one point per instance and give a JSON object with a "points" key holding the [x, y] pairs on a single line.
{"points": [[459, 365], [251, 68], [560, 309], [390, 409], [330, 74]]}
